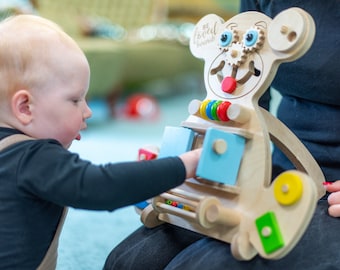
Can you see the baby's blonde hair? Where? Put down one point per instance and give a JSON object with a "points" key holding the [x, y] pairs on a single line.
{"points": [[26, 43]]}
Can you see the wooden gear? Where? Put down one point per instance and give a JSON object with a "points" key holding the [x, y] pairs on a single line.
{"points": [[233, 197]]}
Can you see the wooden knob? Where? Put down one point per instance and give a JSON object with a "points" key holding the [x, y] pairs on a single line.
{"points": [[238, 113], [220, 146]]}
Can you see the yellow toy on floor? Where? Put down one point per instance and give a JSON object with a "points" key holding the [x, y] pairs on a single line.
{"points": [[233, 197]]}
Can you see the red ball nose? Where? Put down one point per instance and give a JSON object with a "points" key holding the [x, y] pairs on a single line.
{"points": [[228, 85]]}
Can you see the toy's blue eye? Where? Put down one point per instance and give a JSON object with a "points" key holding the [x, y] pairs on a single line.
{"points": [[250, 38], [226, 38], [253, 39]]}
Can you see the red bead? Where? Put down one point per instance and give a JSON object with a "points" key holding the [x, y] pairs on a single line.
{"points": [[174, 204], [222, 111]]}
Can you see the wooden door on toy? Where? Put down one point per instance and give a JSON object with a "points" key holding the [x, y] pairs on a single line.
{"points": [[233, 197]]}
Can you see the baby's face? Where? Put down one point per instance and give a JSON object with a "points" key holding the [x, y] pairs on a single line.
{"points": [[60, 109]]}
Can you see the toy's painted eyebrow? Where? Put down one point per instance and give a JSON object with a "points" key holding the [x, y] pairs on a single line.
{"points": [[231, 25], [261, 24]]}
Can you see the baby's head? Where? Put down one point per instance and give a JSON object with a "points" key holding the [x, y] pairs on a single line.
{"points": [[37, 58], [31, 50]]}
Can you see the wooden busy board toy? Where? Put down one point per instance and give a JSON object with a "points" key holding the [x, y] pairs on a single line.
{"points": [[233, 197]]}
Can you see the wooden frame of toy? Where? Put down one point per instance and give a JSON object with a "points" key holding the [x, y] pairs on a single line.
{"points": [[233, 197]]}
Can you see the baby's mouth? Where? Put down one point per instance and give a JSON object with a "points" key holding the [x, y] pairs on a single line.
{"points": [[78, 137]]}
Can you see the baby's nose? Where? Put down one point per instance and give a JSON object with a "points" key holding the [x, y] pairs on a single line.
{"points": [[87, 112]]}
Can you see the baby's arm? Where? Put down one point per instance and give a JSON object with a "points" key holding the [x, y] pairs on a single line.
{"points": [[333, 198], [190, 160]]}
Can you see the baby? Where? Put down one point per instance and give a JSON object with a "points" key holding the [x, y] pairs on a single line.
{"points": [[44, 79]]}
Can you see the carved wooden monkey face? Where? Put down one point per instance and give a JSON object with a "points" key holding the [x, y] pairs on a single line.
{"points": [[242, 54]]}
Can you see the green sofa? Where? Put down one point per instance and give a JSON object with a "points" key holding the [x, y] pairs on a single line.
{"points": [[116, 65]]}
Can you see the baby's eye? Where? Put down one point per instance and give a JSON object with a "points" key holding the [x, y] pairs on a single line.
{"points": [[226, 38], [76, 100]]}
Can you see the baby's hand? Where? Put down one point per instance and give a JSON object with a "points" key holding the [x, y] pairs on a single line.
{"points": [[190, 160], [333, 198]]}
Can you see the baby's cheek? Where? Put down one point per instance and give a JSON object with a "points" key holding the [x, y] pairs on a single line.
{"points": [[67, 135]]}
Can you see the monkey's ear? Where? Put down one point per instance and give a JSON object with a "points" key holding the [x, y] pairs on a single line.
{"points": [[203, 40], [291, 33], [21, 106]]}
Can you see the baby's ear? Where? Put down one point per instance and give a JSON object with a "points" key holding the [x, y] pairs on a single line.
{"points": [[21, 106]]}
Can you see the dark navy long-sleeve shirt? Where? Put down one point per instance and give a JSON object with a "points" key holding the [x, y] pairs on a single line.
{"points": [[39, 177], [310, 86]]}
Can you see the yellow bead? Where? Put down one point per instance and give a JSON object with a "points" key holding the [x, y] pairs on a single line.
{"points": [[203, 106], [288, 188], [187, 207]]}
